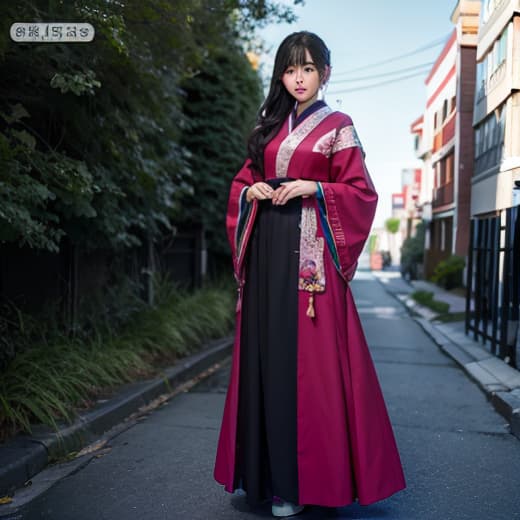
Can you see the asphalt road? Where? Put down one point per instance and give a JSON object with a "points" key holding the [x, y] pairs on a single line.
{"points": [[459, 459]]}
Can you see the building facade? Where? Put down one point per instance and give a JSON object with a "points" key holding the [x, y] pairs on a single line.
{"points": [[444, 140], [497, 108], [494, 253]]}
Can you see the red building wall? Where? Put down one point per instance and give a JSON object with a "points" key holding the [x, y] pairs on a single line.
{"points": [[466, 145]]}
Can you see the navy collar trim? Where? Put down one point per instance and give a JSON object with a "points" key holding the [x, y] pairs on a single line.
{"points": [[307, 112]]}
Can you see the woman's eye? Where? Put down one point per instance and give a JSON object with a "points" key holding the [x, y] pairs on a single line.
{"points": [[289, 71], [309, 69]]}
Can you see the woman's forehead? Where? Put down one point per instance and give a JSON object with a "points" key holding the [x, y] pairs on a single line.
{"points": [[299, 56]]}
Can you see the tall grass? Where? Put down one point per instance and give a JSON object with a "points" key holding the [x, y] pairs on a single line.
{"points": [[426, 298], [50, 380]]}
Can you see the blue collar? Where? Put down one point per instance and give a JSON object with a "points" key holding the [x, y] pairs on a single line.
{"points": [[307, 112]]}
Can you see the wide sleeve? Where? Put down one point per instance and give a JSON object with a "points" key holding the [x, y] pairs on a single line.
{"points": [[347, 203], [240, 215]]}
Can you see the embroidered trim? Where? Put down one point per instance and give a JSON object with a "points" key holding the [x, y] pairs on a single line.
{"points": [[291, 142], [347, 138], [331, 225], [325, 143], [312, 268]]}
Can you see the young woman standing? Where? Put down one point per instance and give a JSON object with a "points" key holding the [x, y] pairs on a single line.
{"points": [[305, 421]]}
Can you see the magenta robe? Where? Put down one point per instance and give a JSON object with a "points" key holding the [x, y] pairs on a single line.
{"points": [[346, 448]]}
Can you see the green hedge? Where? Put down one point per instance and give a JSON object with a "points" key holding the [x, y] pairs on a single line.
{"points": [[448, 273], [48, 381], [426, 298]]}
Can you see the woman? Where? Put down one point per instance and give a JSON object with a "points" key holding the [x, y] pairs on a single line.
{"points": [[304, 420]]}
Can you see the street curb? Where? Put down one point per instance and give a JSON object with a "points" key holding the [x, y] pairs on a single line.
{"points": [[499, 381], [25, 456]]}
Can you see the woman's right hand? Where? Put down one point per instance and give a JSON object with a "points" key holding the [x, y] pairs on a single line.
{"points": [[260, 191]]}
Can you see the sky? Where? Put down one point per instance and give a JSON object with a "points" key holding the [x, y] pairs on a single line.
{"points": [[360, 33]]}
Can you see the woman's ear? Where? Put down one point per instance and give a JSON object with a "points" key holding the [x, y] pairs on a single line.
{"points": [[326, 75]]}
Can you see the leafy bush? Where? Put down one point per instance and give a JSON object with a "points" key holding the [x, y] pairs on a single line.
{"points": [[392, 225], [47, 381], [448, 273], [426, 298]]}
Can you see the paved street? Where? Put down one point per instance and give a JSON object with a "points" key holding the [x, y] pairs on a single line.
{"points": [[460, 462]]}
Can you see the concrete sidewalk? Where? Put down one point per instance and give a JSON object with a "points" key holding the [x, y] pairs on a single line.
{"points": [[499, 381]]}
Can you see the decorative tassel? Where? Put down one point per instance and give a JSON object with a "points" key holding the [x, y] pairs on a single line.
{"points": [[310, 308]]}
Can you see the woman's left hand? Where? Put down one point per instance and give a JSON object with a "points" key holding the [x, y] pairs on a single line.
{"points": [[290, 190]]}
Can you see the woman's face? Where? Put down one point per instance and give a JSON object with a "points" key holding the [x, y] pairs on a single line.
{"points": [[302, 82]]}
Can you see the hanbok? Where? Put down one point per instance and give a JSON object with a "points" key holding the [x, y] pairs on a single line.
{"points": [[304, 416]]}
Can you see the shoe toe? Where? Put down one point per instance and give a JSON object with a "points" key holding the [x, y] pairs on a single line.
{"points": [[282, 509]]}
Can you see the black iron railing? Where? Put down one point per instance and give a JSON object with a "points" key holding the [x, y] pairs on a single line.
{"points": [[493, 279]]}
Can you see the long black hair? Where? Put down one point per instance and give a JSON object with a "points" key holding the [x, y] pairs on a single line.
{"points": [[279, 103]]}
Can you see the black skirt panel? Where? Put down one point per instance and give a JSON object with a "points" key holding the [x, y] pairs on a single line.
{"points": [[266, 430]]}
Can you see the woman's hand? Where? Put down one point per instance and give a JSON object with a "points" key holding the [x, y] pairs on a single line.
{"points": [[290, 190], [260, 191]]}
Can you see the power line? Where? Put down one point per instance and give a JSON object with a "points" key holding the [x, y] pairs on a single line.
{"points": [[383, 74], [372, 85], [423, 48]]}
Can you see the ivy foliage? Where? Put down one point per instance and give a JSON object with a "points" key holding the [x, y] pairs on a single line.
{"points": [[93, 142]]}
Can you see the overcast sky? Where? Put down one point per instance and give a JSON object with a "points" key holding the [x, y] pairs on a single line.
{"points": [[360, 33]]}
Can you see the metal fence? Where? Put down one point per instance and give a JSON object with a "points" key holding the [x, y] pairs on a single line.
{"points": [[493, 283]]}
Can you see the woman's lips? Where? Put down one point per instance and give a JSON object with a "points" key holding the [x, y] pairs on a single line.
{"points": [[300, 90]]}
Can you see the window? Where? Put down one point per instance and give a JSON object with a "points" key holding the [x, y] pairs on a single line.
{"points": [[437, 174], [490, 133], [488, 7], [477, 141], [497, 55], [502, 47], [443, 173], [444, 110], [501, 123], [449, 168], [480, 81]]}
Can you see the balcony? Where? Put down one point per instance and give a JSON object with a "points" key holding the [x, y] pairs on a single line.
{"points": [[445, 134], [443, 195]]}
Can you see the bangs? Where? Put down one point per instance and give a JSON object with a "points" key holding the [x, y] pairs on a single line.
{"points": [[296, 56]]}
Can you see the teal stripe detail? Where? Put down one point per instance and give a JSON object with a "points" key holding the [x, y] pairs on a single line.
{"points": [[244, 209], [327, 231]]}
